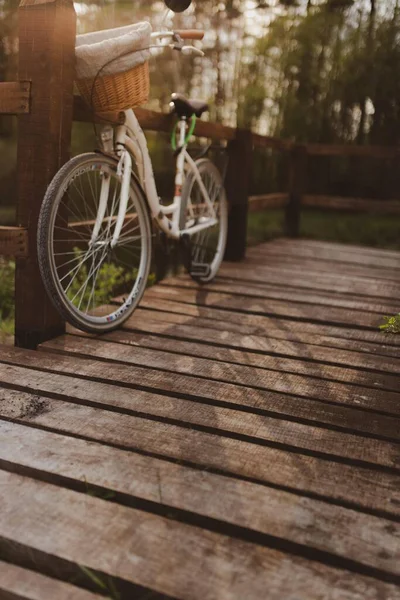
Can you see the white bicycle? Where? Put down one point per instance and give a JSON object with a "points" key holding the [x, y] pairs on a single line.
{"points": [[95, 230]]}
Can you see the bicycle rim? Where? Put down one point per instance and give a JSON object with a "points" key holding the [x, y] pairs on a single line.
{"points": [[207, 247], [95, 285]]}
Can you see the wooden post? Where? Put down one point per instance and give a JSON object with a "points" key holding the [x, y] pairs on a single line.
{"points": [[240, 153], [47, 30], [297, 187]]}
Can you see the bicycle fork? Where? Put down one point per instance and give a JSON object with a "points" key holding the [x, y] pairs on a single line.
{"points": [[124, 170]]}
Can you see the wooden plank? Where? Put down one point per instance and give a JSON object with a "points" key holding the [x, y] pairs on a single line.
{"points": [[15, 97], [348, 150], [182, 380], [261, 378], [387, 207], [357, 286], [17, 583], [313, 265], [161, 554], [267, 201], [277, 406], [271, 354], [13, 242], [263, 289], [334, 247], [343, 256], [45, 30], [281, 328], [260, 306], [372, 489], [187, 327], [347, 533]]}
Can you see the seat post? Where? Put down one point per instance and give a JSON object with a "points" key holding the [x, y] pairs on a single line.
{"points": [[182, 131]]}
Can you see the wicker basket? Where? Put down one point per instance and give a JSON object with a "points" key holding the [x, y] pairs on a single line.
{"points": [[112, 94]]}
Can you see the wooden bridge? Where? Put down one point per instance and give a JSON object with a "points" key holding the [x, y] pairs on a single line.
{"points": [[239, 440], [236, 441]]}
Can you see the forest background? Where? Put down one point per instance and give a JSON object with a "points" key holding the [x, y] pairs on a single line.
{"points": [[306, 70]]}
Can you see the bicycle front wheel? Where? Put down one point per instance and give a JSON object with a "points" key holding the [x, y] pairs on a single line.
{"points": [[94, 283], [206, 247]]}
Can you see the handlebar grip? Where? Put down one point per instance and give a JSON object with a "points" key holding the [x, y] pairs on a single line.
{"points": [[191, 34]]}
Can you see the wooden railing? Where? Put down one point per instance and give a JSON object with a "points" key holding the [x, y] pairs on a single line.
{"points": [[46, 107]]}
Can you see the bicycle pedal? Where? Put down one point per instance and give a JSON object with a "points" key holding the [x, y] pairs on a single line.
{"points": [[200, 270]]}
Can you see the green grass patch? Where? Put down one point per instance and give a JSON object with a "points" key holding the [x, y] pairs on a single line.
{"points": [[391, 324], [7, 215], [7, 277], [379, 231], [264, 226]]}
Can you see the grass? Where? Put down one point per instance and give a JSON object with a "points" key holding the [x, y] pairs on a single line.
{"points": [[391, 324], [7, 215], [7, 271], [379, 231]]}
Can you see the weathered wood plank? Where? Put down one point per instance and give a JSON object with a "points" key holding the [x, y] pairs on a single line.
{"points": [[371, 489], [15, 97], [281, 328], [163, 555], [13, 242], [265, 290], [347, 533], [197, 387], [320, 387], [334, 254], [335, 247], [195, 328], [17, 583], [320, 265], [260, 306], [315, 281], [164, 405], [276, 355]]}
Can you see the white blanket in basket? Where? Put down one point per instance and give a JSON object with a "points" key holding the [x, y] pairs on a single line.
{"points": [[94, 50]]}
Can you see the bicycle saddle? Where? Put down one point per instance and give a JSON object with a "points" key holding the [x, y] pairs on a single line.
{"points": [[187, 108]]}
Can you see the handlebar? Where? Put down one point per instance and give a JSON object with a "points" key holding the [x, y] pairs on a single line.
{"points": [[178, 38], [191, 34]]}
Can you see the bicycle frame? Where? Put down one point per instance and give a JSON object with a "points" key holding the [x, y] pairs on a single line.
{"points": [[131, 141]]}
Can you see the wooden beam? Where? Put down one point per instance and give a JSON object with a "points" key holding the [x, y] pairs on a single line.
{"points": [[389, 207], [268, 201], [240, 152], [15, 97], [46, 57], [13, 242], [298, 184], [156, 121], [348, 150], [265, 141]]}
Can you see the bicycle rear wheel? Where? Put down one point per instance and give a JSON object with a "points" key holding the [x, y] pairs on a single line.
{"points": [[207, 247], [94, 285]]}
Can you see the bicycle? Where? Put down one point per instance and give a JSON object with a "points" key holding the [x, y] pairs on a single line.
{"points": [[95, 230]]}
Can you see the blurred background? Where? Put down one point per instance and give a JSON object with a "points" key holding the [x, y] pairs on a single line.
{"points": [[304, 70]]}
